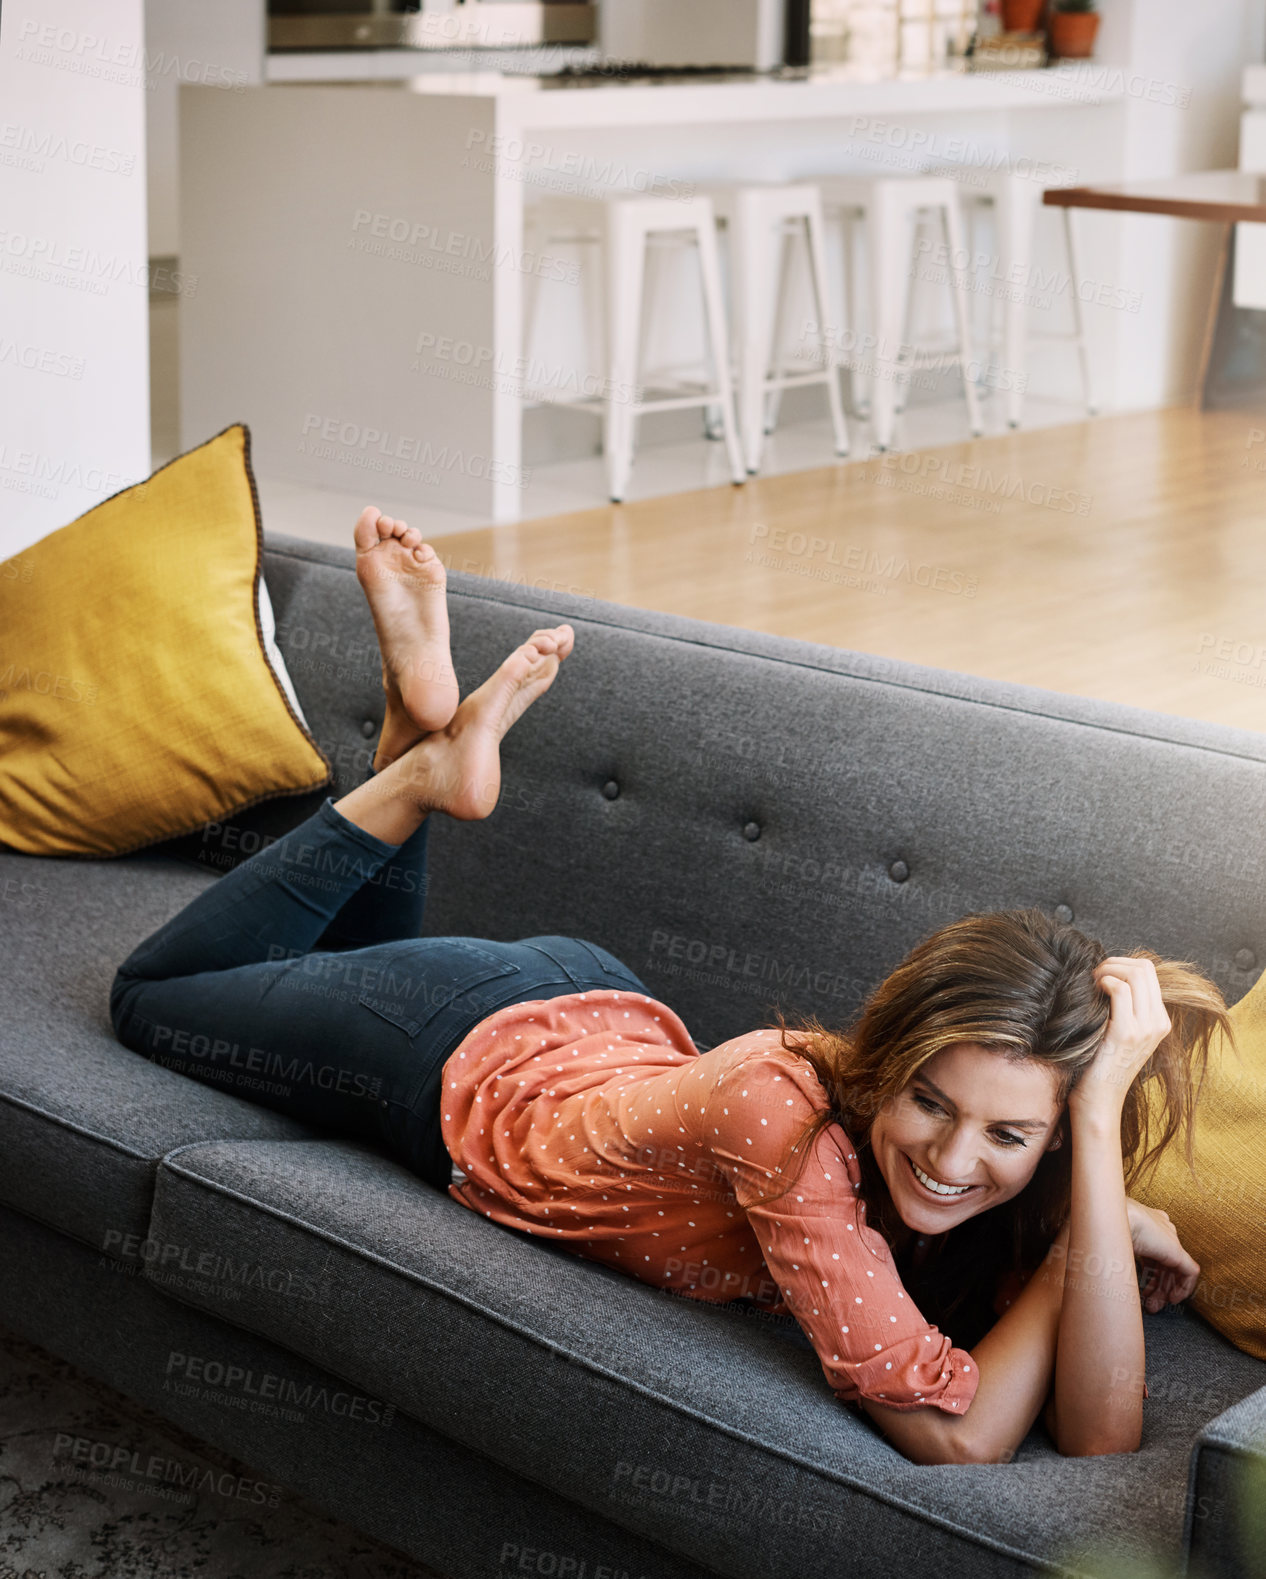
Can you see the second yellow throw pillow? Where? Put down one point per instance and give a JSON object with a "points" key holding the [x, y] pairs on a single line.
{"points": [[1220, 1216]]}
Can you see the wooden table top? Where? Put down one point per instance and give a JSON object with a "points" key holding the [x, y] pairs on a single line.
{"points": [[1224, 195]]}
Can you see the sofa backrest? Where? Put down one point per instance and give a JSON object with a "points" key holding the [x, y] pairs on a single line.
{"points": [[747, 820]]}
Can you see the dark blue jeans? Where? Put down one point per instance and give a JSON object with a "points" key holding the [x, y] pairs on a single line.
{"points": [[299, 980]]}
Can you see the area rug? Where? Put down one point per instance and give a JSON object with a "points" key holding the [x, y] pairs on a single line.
{"points": [[94, 1486]]}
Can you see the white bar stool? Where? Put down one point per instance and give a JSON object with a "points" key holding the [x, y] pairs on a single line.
{"points": [[627, 229], [1015, 202], [893, 208], [765, 223]]}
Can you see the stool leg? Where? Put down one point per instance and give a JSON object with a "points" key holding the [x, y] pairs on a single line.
{"points": [[1016, 219], [713, 426], [908, 321], [859, 387], [1079, 326], [996, 302], [776, 365], [981, 333], [984, 302], [713, 419], [753, 244], [816, 244], [952, 222], [773, 400], [593, 306], [714, 313], [887, 238], [626, 269]]}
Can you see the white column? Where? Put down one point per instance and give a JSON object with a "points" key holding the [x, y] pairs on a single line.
{"points": [[74, 278]]}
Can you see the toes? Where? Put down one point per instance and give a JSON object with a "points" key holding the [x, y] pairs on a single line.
{"points": [[556, 642], [374, 528], [365, 533], [425, 558], [559, 640]]}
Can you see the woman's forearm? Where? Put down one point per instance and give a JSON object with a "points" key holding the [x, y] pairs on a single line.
{"points": [[1015, 1360], [1014, 1363], [1101, 1323]]}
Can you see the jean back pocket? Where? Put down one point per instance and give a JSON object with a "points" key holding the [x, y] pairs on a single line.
{"points": [[431, 974]]}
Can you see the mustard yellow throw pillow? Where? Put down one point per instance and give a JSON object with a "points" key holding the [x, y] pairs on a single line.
{"points": [[136, 699], [1220, 1217]]}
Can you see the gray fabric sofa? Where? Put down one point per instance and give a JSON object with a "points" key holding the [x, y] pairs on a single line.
{"points": [[746, 821]]}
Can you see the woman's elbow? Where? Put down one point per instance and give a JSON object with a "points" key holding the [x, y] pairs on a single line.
{"points": [[928, 1436], [959, 1448]]}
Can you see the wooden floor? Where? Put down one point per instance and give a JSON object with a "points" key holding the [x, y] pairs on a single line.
{"points": [[1123, 558]]}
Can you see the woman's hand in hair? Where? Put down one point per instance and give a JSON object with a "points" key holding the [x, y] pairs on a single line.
{"points": [[1138, 1025], [1169, 1273]]}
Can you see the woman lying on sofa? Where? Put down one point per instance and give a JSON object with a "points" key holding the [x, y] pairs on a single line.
{"points": [[961, 1153]]}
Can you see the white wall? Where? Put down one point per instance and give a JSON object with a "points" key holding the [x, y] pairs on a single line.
{"points": [[74, 341]]}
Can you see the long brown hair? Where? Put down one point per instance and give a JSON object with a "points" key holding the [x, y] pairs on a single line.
{"points": [[1020, 984]]}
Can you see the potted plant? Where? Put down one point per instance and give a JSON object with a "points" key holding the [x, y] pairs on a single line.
{"points": [[1071, 30], [1022, 16]]}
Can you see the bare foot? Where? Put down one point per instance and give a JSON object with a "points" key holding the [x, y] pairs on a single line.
{"points": [[457, 769], [405, 584]]}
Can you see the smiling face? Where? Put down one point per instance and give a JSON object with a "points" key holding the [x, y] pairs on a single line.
{"points": [[965, 1134]]}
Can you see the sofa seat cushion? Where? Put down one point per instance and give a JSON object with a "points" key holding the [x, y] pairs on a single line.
{"points": [[83, 1121], [706, 1428]]}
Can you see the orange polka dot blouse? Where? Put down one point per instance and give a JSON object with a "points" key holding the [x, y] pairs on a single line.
{"points": [[592, 1119]]}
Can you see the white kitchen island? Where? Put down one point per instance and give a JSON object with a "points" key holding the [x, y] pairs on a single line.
{"points": [[357, 260]]}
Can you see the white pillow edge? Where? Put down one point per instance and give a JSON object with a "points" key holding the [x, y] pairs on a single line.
{"points": [[268, 624]]}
